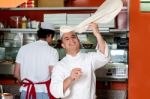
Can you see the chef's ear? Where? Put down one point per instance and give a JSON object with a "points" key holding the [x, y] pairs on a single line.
{"points": [[62, 45]]}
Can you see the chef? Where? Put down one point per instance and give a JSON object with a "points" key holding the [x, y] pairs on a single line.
{"points": [[73, 77], [34, 63]]}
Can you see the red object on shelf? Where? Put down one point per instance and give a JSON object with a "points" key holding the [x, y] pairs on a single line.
{"points": [[28, 4]]}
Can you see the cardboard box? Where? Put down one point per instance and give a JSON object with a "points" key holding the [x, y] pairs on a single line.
{"points": [[50, 3]]}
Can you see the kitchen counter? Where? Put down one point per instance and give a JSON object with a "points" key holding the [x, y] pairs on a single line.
{"points": [[112, 79], [112, 86], [9, 79]]}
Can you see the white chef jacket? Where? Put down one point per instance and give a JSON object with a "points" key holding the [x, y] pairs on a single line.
{"points": [[35, 59], [84, 88]]}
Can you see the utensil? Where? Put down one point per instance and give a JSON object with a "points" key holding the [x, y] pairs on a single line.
{"points": [[1, 25], [1, 88]]}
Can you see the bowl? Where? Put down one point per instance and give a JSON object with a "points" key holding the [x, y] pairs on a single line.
{"points": [[6, 96], [87, 46]]}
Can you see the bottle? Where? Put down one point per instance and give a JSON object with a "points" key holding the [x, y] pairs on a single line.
{"points": [[24, 22], [28, 23]]}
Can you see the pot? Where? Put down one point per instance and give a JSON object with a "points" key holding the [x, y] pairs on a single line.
{"points": [[15, 21], [6, 96]]}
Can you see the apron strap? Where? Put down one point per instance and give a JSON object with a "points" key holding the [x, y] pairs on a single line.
{"points": [[47, 83], [31, 88]]}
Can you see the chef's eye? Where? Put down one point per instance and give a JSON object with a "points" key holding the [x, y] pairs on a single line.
{"points": [[66, 39], [74, 36]]}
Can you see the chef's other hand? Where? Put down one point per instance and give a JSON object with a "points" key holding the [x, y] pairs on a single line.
{"points": [[76, 73]]}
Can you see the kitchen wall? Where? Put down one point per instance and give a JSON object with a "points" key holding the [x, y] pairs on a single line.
{"points": [[139, 53]]}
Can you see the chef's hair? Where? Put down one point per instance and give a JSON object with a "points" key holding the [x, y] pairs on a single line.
{"points": [[43, 33]]}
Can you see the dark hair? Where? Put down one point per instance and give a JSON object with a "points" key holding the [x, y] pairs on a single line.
{"points": [[43, 33]]}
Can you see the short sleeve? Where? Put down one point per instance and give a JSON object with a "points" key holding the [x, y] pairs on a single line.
{"points": [[54, 58], [19, 56]]}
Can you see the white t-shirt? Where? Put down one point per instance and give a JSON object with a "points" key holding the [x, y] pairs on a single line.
{"points": [[35, 59], [84, 88]]}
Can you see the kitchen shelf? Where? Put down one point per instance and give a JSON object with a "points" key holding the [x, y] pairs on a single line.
{"points": [[10, 47], [112, 79], [34, 31], [119, 30], [16, 30], [55, 8]]}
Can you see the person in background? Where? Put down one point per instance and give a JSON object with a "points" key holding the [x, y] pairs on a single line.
{"points": [[34, 63], [74, 76]]}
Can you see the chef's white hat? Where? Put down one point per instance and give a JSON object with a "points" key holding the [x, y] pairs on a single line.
{"points": [[65, 29], [47, 25]]}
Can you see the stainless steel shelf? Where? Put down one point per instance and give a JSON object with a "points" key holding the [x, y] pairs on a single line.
{"points": [[34, 31], [112, 79], [18, 30], [119, 30]]}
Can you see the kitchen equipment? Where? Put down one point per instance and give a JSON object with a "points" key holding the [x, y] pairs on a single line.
{"points": [[2, 53], [118, 55], [113, 70], [1, 88], [5, 95], [35, 24], [29, 38], [123, 43], [24, 22], [122, 20], [15, 21], [7, 44], [1, 25], [7, 67], [18, 40], [87, 46]]}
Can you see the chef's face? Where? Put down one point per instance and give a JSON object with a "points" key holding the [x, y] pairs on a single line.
{"points": [[70, 42]]}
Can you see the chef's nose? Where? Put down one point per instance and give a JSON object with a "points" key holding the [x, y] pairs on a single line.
{"points": [[72, 40]]}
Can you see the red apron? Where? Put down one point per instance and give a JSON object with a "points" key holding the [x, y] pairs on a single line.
{"points": [[31, 88]]}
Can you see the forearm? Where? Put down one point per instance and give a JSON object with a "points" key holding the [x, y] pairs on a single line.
{"points": [[17, 76], [17, 72], [97, 34], [75, 75], [50, 69], [67, 83], [100, 41]]}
